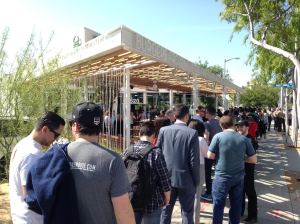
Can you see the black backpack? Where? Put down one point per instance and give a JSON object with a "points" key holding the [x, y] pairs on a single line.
{"points": [[139, 175]]}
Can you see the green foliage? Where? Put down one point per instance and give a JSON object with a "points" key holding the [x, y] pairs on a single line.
{"points": [[274, 22], [214, 69], [259, 96], [29, 86]]}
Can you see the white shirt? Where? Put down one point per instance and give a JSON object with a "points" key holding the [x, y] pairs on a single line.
{"points": [[203, 149], [24, 153]]}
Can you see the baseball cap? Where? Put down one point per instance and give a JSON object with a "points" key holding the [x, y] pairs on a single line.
{"points": [[242, 123], [87, 114]]}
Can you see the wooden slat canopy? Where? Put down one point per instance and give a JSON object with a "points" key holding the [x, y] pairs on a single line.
{"points": [[147, 62]]}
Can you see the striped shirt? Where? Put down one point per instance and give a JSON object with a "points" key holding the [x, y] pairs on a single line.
{"points": [[159, 172]]}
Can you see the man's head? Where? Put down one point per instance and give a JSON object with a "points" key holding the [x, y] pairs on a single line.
{"points": [[242, 127], [210, 112], [200, 111], [181, 112], [198, 126], [170, 115], [48, 128], [147, 130], [226, 122], [86, 119]]}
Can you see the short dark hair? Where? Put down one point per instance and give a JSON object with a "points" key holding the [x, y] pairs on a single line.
{"points": [[226, 121], [180, 110], [147, 129], [198, 126], [159, 123], [50, 120], [211, 110]]}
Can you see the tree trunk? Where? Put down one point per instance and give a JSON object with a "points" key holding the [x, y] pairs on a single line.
{"points": [[296, 62], [294, 132]]}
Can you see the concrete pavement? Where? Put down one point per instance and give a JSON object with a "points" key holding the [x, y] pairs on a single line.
{"points": [[277, 185]]}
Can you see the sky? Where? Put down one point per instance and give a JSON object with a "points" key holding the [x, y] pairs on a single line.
{"points": [[190, 28]]}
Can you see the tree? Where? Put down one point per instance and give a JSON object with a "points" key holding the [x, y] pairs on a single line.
{"points": [[273, 26], [259, 96], [215, 69], [29, 86]]}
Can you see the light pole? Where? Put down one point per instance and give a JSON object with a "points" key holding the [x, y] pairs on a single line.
{"points": [[224, 76]]}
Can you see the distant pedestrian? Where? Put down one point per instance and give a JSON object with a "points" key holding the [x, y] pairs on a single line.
{"points": [[170, 115]]}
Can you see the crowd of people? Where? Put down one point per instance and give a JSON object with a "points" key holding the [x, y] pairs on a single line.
{"points": [[84, 182]]}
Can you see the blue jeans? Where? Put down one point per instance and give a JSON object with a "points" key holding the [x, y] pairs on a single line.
{"points": [[145, 218], [222, 186]]}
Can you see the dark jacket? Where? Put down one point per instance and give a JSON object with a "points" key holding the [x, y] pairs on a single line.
{"points": [[51, 189]]}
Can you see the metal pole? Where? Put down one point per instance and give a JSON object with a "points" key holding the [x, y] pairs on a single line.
{"points": [[85, 90], [127, 96], [184, 99], [281, 98], [195, 96], [145, 102], [238, 100], [286, 115], [216, 102], [171, 98], [224, 95]]}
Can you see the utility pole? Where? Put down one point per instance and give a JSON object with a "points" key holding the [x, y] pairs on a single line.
{"points": [[224, 76]]}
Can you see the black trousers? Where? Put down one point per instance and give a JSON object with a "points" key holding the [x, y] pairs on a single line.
{"points": [[249, 191], [208, 163]]}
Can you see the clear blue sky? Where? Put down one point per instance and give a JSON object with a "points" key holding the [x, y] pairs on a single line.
{"points": [[190, 28]]}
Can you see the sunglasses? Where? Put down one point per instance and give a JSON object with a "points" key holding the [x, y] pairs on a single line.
{"points": [[56, 135]]}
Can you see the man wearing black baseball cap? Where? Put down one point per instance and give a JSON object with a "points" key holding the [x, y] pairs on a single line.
{"points": [[249, 186], [100, 178]]}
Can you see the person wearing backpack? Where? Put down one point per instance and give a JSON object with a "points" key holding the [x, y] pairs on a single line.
{"points": [[148, 176]]}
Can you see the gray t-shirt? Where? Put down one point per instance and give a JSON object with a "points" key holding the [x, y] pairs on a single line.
{"points": [[213, 127], [99, 175], [230, 148]]}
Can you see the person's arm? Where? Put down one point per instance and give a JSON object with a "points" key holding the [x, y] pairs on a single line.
{"points": [[211, 155], [23, 190], [213, 148], [251, 159], [206, 133], [163, 175], [206, 136], [250, 152], [119, 192], [123, 209], [203, 147], [167, 196], [25, 166], [195, 159]]}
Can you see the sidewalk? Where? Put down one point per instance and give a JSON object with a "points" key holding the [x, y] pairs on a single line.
{"points": [[277, 185]]}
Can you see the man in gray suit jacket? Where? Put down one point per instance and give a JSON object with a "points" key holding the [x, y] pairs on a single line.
{"points": [[180, 147]]}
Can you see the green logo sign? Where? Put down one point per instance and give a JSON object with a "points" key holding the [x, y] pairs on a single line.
{"points": [[76, 41]]}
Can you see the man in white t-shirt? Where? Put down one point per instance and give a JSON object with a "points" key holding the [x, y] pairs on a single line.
{"points": [[47, 129]]}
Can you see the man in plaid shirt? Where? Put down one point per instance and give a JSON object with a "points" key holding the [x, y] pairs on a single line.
{"points": [[159, 172]]}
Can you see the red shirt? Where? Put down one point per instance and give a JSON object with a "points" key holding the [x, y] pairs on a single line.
{"points": [[252, 129]]}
